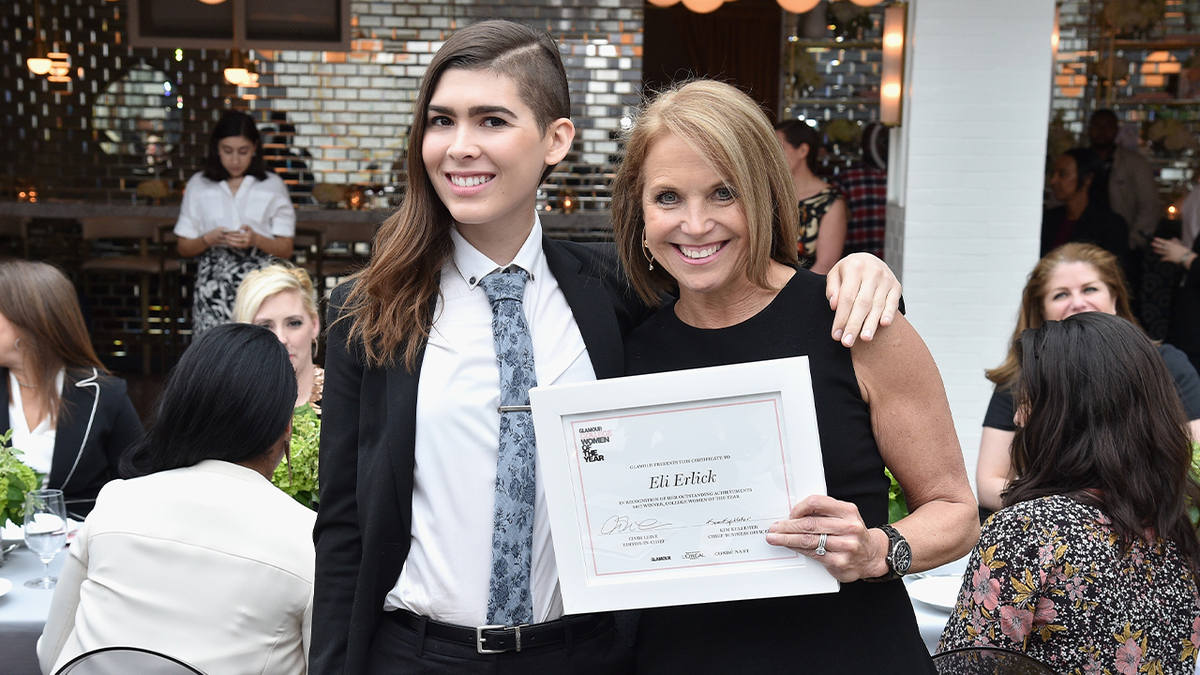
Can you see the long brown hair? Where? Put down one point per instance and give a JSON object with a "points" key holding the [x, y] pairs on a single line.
{"points": [[1033, 312], [1104, 425], [41, 303], [731, 133], [392, 302]]}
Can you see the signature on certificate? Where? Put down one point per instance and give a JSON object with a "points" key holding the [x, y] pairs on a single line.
{"points": [[620, 524]]}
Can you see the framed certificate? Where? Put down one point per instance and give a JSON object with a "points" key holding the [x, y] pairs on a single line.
{"points": [[661, 487]]}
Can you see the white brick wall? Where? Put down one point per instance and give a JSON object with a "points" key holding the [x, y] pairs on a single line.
{"points": [[967, 210]]}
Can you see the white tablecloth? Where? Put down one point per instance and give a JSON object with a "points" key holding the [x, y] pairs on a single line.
{"points": [[23, 611], [931, 619]]}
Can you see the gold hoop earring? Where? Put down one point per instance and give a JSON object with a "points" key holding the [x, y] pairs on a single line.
{"points": [[646, 252]]}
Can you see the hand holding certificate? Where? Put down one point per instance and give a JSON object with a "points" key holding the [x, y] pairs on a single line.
{"points": [[660, 485]]}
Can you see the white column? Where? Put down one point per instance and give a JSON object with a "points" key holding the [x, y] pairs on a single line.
{"points": [[965, 201]]}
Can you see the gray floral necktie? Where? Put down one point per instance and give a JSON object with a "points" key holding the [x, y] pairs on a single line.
{"points": [[510, 601]]}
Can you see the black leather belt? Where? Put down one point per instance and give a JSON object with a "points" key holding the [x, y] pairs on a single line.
{"points": [[498, 639]]}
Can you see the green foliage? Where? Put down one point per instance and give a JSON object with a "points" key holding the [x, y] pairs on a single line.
{"points": [[297, 476], [897, 505], [15, 480]]}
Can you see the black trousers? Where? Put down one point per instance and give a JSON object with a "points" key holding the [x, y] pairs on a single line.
{"points": [[398, 650]]}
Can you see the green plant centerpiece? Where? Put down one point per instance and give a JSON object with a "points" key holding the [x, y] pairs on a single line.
{"points": [[15, 480], [297, 474]]}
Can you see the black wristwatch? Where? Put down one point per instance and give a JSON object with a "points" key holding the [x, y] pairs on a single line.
{"points": [[899, 555]]}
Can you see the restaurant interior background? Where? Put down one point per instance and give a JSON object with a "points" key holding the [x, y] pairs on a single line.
{"points": [[117, 126]]}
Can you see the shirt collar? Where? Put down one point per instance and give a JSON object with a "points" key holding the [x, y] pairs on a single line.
{"points": [[473, 266]]}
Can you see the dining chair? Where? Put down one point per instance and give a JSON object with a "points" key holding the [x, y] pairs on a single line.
{"points": [[124, 661], [138, 246], [988, 661]]}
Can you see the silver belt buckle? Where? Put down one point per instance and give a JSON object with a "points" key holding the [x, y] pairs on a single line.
{"points": [[479, 639]]}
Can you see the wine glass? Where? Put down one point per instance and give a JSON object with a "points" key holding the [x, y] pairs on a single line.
{"points": [[45, 530]]}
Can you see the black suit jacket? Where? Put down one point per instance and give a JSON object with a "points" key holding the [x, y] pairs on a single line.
{"points": [[368, 444], [96, 424]]}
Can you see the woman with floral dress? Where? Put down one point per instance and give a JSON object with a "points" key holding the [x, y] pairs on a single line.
{"points": [[1091, 567]]}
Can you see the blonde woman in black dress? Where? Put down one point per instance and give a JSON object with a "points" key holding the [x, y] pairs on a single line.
{"points": [[702, 209]]}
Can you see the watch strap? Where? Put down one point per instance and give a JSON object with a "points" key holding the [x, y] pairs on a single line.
{"points": [[894, 538]]}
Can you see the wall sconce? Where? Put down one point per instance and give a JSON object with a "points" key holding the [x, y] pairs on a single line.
{"points": [[1054, 36], [891, 88]]}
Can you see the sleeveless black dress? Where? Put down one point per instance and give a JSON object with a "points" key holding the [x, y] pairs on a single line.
{"points": [[866, 628]]}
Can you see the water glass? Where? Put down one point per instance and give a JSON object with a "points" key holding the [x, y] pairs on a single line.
{"points": [[45, 530]]}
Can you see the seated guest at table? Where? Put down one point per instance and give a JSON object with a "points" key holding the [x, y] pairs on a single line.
{"points": [[702, 208], [199, 556], [1091, 566], [1072, 279], [235, 217], [68, 415], [281, 298], [1082, 218]]}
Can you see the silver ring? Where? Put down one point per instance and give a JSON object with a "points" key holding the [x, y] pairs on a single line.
{"points": [[821, 544]]}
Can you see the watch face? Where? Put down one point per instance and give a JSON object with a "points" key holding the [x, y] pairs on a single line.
{"points": [[901, 557]]}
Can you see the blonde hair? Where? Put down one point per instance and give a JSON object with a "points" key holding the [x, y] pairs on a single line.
{"points": [[262, 284], [735, 139], [1033, 306]]}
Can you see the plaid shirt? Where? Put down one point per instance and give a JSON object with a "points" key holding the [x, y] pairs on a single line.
{"points": [[865, 189]]}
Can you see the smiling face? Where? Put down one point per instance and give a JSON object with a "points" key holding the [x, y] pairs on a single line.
{"points": [[1075, 287], [485, 154], [284, 315], [695, 226], [236, 153]]}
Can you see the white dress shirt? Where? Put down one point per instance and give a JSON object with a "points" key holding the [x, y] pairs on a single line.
{"points": [[37, 443], [263, 205], [448, 569]]}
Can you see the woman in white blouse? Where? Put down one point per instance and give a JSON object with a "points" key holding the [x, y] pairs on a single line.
{"points": [[235, 216], [69, 417]]}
